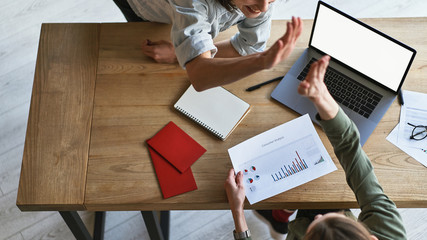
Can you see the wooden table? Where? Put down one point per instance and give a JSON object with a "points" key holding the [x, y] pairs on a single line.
{"points": [[96, 100]]}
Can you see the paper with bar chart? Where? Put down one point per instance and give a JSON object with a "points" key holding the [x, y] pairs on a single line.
{"points": [[280, 159]]}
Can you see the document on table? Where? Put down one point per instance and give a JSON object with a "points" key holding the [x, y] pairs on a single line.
{"points": [[280, 159], [418, 154], [414, 111]]}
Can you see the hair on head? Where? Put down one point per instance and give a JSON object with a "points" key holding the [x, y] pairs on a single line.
{"points": [[227, 4], [337, 228]]}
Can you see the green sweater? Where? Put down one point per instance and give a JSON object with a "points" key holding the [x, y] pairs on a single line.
{"points": [[378, 212]]}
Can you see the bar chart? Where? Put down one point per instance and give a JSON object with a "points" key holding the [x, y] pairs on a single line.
{"points": [[293, 160], [296, 166]]}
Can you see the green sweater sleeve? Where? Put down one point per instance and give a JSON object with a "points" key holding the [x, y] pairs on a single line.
{"points": [[378, 212]]}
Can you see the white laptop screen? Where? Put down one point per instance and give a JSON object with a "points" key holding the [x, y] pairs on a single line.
{"points": [[360, 48]]}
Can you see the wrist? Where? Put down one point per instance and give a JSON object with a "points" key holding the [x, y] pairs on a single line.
{"points": [[241, 235], [326, 106], [260, 61]]}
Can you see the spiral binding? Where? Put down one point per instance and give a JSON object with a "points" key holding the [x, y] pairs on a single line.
{"points": [[216, 133]]}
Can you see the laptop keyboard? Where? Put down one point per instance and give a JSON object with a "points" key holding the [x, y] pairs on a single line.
{"points": [[346, 91]]}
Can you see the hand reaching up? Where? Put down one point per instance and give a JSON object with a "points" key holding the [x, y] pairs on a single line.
{"points": [[284, 45], [315, 89]]}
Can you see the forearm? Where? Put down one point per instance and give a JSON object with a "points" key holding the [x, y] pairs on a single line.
{"points": [[226, 50], [205, 72], [326, 106], [344, 137], [360, 176], [239, 220]]}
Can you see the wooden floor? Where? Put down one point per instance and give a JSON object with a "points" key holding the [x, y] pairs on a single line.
{"points": [[20, 22]]}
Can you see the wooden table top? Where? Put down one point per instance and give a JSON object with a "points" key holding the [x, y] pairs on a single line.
{"points": [[96, 100]]}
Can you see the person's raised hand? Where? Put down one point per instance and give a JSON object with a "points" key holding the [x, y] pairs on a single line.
{"points": [[161, 51], [313, 87], [283, 47]]}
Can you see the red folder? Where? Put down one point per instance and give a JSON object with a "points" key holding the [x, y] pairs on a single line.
{"points": [[176, 146], [171, 181], [173, 152]]}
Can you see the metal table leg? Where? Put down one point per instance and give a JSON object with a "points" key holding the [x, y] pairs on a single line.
{"points": [[155, 230], [76, 225], [99, 229], [165, 223], [78, 228]]}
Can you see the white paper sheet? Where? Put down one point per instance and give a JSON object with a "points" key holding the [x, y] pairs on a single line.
{"points": [[280, 159], [418, 154], [414, 110]]}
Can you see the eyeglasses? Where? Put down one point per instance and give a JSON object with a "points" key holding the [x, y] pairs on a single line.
{"points": [[419, 132]]}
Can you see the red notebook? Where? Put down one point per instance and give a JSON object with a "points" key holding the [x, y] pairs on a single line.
{"points": [[173, 152], [171, 181], [176, 146]]}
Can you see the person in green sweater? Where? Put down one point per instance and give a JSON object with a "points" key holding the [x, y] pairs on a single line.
{"points": [[379, 218]]}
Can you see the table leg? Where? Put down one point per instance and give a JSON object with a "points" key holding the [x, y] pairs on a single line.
{"points": [[155, 230], [98, 231], [78, 228], [76, 225], [165, 223]]}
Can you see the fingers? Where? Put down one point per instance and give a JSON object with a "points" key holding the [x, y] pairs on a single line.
{"points": [[147, 48], [324, 65], [283, 47], [294, 30], [234, 180], [298, 26], [147, 42], [231, 174], [289, 33], [239, 178], [231, 179], [320, 68], [313, 84], [314, 72], [303, 88]]}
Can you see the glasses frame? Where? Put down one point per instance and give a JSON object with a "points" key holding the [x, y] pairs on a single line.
{"points": [[418, 133]]}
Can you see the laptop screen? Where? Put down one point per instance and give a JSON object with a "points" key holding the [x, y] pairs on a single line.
{"points": [[360, 47]]}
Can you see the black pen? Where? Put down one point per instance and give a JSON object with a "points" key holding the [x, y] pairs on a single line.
{"points": [[400, 97], [264, 83]]}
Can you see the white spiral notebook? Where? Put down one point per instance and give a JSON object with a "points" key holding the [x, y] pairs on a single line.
{"points": [[216, 109]]}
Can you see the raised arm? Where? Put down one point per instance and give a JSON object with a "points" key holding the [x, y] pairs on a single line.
{"points": [[378, 212], [206, 72]]}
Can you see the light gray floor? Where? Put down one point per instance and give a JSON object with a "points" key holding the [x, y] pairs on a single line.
{"points": [[20, 22]]}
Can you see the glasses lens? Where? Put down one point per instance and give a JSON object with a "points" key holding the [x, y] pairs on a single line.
{"points": [[419, 133]]}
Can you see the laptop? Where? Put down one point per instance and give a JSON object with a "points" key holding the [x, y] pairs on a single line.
{"points": [[365, 73]]}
